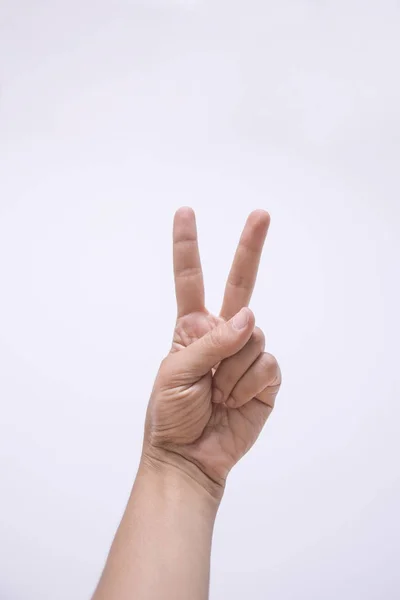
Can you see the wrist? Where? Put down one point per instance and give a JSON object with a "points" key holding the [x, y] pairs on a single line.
{"points": [[180, 477]]}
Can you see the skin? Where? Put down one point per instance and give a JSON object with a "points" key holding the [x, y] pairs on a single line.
{"points": [[211, 398]]}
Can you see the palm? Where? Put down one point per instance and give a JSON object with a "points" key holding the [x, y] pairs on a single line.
{"points": [[192, 327], [219, 435], [223, 435]]}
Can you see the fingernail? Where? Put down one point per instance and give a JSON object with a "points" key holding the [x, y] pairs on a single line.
{"points": [[230, 403], [240, 320], [217, 396]]}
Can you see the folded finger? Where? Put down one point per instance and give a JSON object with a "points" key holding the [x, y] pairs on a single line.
{"points": [[231, 369], [263, 374]]}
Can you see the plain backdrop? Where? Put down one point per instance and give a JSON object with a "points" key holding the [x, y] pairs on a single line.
{"points": [[112, 115]]}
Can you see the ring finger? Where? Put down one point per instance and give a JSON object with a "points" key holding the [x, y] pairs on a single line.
{"points": [[261, 381], [233, 368]]}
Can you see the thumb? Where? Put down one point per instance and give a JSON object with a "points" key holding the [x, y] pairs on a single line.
{"points": [[219, 343]]}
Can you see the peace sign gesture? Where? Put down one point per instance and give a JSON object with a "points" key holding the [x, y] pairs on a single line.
{"points": [[216, 388]]}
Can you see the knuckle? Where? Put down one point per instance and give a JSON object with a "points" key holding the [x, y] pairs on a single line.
{"points": [[258, 338], [270, 363], [164, 366], [164, 363], [170, 371], [164, 371], [189, 271]]}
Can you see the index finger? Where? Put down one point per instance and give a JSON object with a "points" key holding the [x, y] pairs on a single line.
{"points": [[189, 287], [243, 273]]}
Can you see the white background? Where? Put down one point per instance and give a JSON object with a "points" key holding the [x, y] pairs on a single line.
{"points": [[114, 114]]}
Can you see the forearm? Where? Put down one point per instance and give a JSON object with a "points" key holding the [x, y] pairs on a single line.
{"points": [[162, 548]]}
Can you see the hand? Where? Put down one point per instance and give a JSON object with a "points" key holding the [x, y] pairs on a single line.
{"points": [[216, 388]]}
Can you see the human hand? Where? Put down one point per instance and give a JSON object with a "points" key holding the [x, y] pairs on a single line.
{"points": [[216, 388]]}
